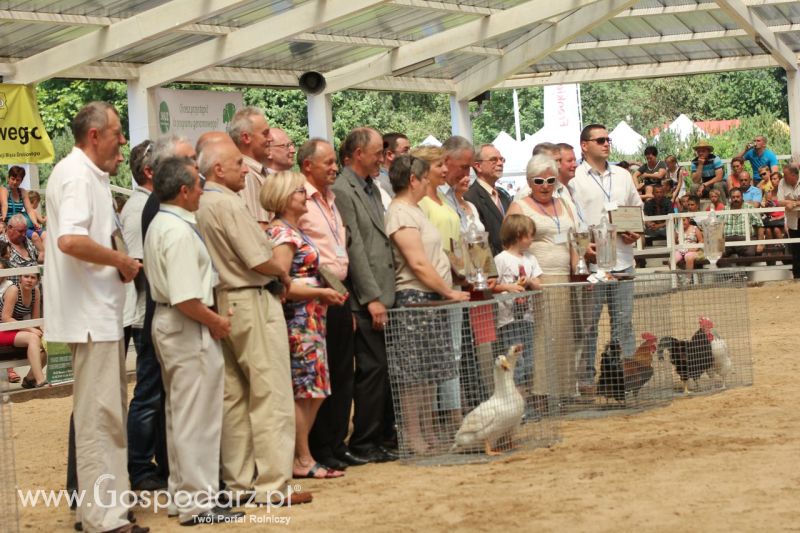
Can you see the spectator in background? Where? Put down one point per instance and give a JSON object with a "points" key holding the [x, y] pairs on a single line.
{"points": [[23, 301], [763, 178], [774, 222], [650, 173], [23, 251], [250, 132], [305, 307], [737, 167], [490, 202], [658, 205], [707, 170], [714, 201], [758, 155], [734, 229], [789, 198], [36, 200], [16, 200], [691, 235], [750, 193], [394, 144], [280, 156]]}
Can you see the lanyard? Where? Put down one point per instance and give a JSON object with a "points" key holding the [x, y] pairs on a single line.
{"points": [[194, 228], [333, 227], [555, 213], [302, 235], [600, 184], [578, 210]]}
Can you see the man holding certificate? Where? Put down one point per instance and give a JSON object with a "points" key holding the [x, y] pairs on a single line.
{"points": [[602, 188]]}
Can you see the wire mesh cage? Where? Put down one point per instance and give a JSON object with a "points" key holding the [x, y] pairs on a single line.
{"points": [[8, 491], [602, 338], [709, 347], [467, 383]]}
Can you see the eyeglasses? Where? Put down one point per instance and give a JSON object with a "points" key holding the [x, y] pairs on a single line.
{"points": [[601, 140], [493, 160], [288, 146], [763, 174], [542, 181], [300, 190]]}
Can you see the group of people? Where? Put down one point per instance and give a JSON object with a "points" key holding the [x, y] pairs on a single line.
{"points": [[255, 280], [22, 245], [667, 188]]}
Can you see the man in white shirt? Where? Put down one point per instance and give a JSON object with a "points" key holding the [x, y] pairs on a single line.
{"points": [[84, 296], [600, 188], [789, 197], [250, 132], [182, 281]]}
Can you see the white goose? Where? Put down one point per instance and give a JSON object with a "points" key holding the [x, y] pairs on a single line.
{"points": [[498, 415]]}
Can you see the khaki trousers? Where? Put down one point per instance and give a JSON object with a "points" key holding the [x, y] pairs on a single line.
{"points": [[192, 370], [258, 422], [100, 412]]}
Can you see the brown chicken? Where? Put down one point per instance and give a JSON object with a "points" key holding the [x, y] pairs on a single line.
{"points": [[622, 377]]}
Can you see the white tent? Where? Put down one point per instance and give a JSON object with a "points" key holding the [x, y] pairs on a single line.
{"points": [[683, 128], [626, 140], [430, 140]]}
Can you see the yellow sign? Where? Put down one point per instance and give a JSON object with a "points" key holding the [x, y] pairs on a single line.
{"points": [[23, 138]]}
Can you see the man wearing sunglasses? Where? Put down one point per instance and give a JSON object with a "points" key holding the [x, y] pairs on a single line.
{"points": [[599, 188], [758, 155]]}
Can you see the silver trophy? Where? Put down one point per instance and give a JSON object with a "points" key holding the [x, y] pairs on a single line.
{"points": [[580, 241], [713, 238], [605, 240], [477, 245]]}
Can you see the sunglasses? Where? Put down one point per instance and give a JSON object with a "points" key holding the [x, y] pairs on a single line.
{"points": [[542, 181], [602, 140]]}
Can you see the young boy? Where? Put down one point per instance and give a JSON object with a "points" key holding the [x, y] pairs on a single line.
{"points": [[518, 271]]}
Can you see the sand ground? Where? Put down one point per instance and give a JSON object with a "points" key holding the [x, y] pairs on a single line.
{"points": [[724, 462]]}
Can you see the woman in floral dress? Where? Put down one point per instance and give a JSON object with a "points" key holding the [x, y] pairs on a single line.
{"points": [[305, 307]]}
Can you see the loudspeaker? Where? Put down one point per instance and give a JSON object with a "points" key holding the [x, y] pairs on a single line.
{"points": [[312, 82], [483, 97]]}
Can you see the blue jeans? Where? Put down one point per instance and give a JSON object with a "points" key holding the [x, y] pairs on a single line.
{"points": [[520, 332], [147, 434], [618, 296]]}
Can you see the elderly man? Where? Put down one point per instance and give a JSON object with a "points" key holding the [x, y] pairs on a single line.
{"points": [[490, 201], [250, 132], [734, 229], [394, 144], [280, 155], [750, 193], [789, 197], [600, 188], [371, 284], [707, 171], [458, 157], [324, 226], [84, 297], [182, 283], [758, 155], [22, 250], [258, 408]]}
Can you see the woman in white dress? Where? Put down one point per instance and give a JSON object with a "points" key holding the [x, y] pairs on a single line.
{"points": [[553, 218]]}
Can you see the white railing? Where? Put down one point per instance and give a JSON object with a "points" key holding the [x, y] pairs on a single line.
{"points": [[671, 245], [19, 324]]}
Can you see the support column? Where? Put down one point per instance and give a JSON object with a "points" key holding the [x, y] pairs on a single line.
{"points": [[142, 113], [320, 117], [793, 86], [460, 121]]}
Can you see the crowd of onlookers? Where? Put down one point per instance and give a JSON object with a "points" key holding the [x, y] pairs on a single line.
{"points": [[259, 274]]}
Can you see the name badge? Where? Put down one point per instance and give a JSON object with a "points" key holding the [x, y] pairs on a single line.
{"points": [[560, 238], [340, 251], [610, 206]]}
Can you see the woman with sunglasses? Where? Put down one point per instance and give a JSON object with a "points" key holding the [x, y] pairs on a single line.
{"points": [[306, 306], [553, 218]]}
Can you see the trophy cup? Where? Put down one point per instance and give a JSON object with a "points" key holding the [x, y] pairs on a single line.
{"points": [[478, 256], [580, 241], [605, 240], [713, 237]]}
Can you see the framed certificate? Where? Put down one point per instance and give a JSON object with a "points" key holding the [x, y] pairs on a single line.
{"points": [[627, 218]]}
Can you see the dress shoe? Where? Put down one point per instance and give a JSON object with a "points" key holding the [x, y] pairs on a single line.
{"points": [[379, 454], [389, 454], [151, 483], [352, 459], [332, 462], [216, 515]]}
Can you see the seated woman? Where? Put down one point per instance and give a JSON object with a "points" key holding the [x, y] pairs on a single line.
{"points": [[691, 235], [714, 201], [422, 274], [305, 308], [774, 222], [18, 201], [22, 301]]}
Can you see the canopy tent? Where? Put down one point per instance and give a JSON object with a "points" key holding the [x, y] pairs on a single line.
{"points": [[626, 140], [683, 128], [462, 47]]}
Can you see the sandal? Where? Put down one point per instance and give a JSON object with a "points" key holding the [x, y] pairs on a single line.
{"points": [[31, 384], [13, 377], [329, 473]]}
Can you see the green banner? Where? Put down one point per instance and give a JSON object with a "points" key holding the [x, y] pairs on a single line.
{"points": [[59, 363]]}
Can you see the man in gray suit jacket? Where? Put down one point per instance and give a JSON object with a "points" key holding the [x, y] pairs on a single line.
{"points": [[371, 284], [491, 202]]}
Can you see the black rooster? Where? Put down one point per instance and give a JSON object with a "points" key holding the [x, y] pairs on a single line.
{"points": [[611, 382], [690, 358]]}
